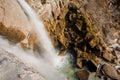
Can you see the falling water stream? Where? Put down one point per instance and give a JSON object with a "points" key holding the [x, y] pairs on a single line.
{"points": [[46, 65], [37, 25], [49, 63]]}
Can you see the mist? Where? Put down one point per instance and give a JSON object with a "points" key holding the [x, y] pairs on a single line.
{"points": [[38, 27], [41, 65], [47, 65]]}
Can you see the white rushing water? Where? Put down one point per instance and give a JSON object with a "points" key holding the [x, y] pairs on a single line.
{"points": [[40, 64], [45, 65], [38, 26]]}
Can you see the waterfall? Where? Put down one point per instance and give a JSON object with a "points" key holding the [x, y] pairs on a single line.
{"points": [[45, 69], [37, 25], [45, 65]]}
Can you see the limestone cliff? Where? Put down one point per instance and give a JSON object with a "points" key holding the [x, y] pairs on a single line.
{"points": [[13, 22], [85, 27], [78, 25]]}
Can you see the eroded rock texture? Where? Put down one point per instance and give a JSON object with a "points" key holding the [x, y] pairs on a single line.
{"points": [[86, 27], [69, 26]]}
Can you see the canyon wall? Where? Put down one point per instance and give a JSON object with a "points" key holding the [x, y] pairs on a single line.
{"points": [[85, 27]]}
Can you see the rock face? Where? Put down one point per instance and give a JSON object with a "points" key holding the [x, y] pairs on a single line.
{"points": [[52, 13], [69, 27], [85, 27], [13, 22], [11, 68], [69, 24], [56, 22]]}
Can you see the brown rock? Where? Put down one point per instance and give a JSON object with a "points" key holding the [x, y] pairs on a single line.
{"points": [[79, 25], [12, 34], [107, 56], [96, 61], [79, 62], [82, 75], [110, 71], [62, 53], [14, 24], [83, 33], [94, 42]]}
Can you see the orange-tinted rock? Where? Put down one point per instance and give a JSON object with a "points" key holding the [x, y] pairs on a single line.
{"points": [[14, 24], [79, 62], [62, 53], [12, 34], [82, 75], [107, 56]]}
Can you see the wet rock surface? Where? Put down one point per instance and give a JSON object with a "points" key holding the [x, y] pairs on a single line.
{"points": [[87, 28], [12, 68]]}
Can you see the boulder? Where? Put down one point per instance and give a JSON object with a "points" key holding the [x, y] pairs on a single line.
{"points": [[109, 71], [82, 75], [107, 56]]}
